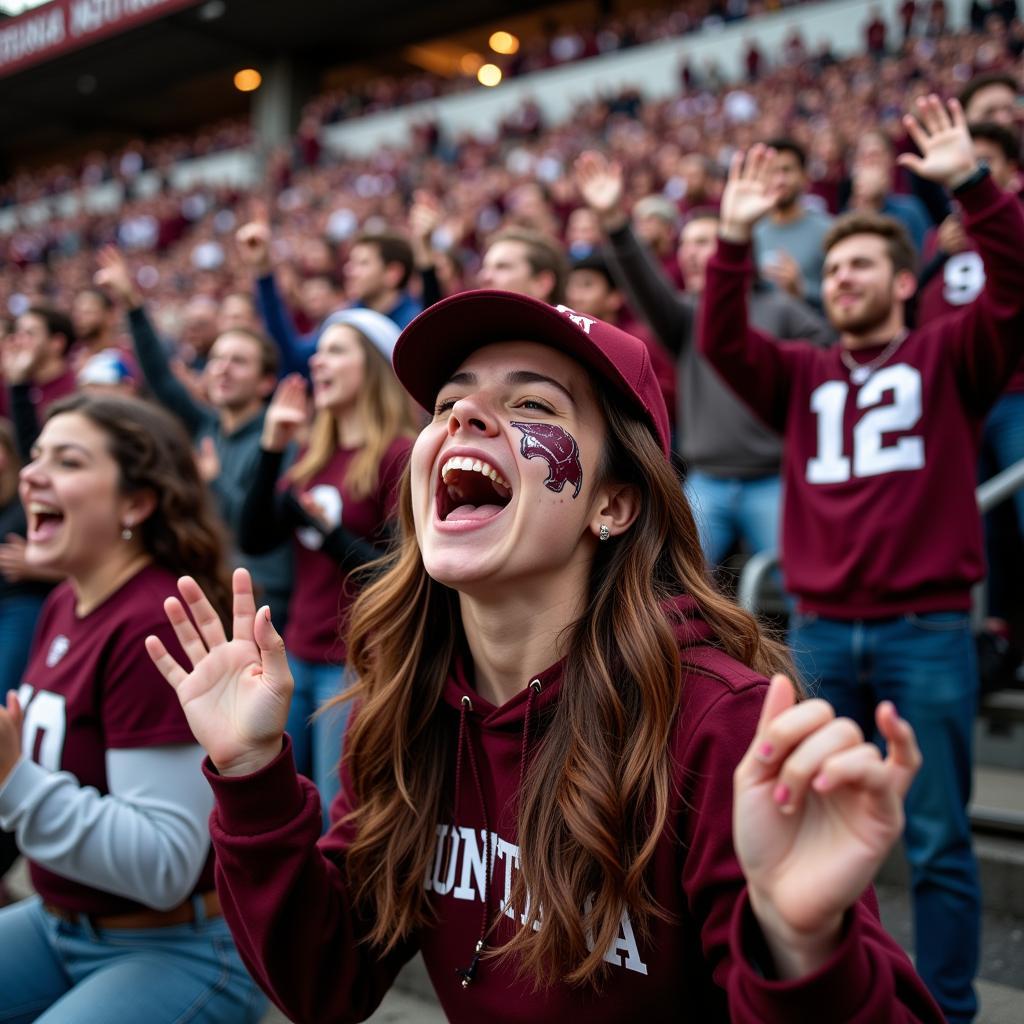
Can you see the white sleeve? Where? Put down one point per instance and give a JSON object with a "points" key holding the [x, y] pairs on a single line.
{"points": [[147, 840]]}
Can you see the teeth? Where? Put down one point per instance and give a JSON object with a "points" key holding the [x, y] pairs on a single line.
{"points": [[39, 509], [468, 465]]}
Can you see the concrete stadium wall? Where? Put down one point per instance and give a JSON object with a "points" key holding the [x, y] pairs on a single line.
{"points": [[653, 69]]}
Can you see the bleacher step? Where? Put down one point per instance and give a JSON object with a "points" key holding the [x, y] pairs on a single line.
{"points": [[997, 804], [1000, 864], [999, 730]]}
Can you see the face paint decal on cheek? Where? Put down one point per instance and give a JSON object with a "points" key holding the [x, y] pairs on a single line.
{"points": [[558, 448]]}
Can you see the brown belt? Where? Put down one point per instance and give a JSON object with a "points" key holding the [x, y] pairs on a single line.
{"points": [[183, 914]]}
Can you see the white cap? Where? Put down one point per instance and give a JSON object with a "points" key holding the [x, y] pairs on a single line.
{"points": [[379, 330]]}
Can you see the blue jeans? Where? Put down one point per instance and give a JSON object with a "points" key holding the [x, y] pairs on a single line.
{"points": [[53, 972], [925, 664], [17, 625], [316, 741], [728, 509]]}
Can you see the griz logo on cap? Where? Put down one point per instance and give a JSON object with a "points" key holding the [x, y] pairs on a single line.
{"points": [[558, 448]]}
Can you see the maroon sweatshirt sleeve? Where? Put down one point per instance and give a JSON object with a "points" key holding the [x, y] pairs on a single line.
{"points": [[286, 901], [868, 980], [757, 368], [987, 336]]}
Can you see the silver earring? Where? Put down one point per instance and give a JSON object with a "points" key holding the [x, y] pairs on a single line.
{"points": [[126, 532], [604, 533]]}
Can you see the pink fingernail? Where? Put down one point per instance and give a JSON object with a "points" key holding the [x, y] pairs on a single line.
{"points": [[820, 782], [765, 751], [781, 794]]}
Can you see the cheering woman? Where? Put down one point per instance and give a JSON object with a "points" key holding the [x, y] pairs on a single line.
{"points": [[99, 776], [567, 780], [335, 502]]}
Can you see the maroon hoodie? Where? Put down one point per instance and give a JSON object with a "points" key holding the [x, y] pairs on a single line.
{"points": [[286, 900]]}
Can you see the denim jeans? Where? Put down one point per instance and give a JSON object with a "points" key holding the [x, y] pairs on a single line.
{"points": [[53, 972], [728, 509], [925, 664], [17, 625], [316, 739]]}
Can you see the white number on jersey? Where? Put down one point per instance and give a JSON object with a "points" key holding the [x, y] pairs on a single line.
{"points": [[963, 278], [870, 456], [45, 714]]}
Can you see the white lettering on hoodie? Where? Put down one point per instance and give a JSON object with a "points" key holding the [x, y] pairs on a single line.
{"points": [[467, 863]]}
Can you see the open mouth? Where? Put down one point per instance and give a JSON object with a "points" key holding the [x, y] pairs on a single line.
{"points": [[471, 489], [43, 522]]}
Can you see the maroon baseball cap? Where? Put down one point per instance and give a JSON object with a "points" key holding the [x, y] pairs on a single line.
{"points": [[434, 345]]}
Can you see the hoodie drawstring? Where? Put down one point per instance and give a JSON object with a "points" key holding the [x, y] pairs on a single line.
{"points": [[464, 743], [534, 689]]}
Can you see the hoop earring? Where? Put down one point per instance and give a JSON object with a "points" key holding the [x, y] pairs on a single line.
{"points": [[604, 533]]}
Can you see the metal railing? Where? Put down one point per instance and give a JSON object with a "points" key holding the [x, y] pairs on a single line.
{"points": [[989, 494]]}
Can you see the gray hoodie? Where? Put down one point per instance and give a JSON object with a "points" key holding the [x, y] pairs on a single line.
{"points": [[716, 433]]}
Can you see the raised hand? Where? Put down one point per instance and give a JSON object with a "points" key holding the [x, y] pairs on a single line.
{"points": [[424, 218], [816, 809], [207, 460], [600, 184], [316, 512], [237, 694], [11, 718], [748, 194], [17, 360], [424, 215], [784, 272], [940, 133], [253, 241], [114, 276], [286, 415], [13, 566], [951, 236]]}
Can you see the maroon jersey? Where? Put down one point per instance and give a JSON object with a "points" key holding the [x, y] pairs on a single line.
{"points": [[880, 517], [90, 687], [322, 594], [957, 284]]}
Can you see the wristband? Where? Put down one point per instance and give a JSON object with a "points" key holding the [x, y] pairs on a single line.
{"points": [[980, 174]]}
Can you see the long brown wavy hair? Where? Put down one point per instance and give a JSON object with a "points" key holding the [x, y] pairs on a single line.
{"points": [[385, 413], [153, 453], [595, 798], [11, 465]]}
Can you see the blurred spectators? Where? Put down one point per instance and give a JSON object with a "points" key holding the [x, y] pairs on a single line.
{"points": [[674, 150]]}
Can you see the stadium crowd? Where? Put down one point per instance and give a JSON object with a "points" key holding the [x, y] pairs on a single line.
{"points": [[264, 325], [551, 45]]}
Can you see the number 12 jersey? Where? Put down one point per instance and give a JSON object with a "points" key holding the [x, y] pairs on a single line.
{"points": [[880, 461]]}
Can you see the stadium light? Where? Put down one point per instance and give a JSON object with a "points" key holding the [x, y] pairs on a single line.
{"points": [[248, 80], [503, 43], [489, 75]]}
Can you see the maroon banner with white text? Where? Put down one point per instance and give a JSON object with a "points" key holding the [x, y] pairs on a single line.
{"points": [[61, 26]]}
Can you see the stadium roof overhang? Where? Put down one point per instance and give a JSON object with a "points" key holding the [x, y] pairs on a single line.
{"points": [[169, 73]]}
